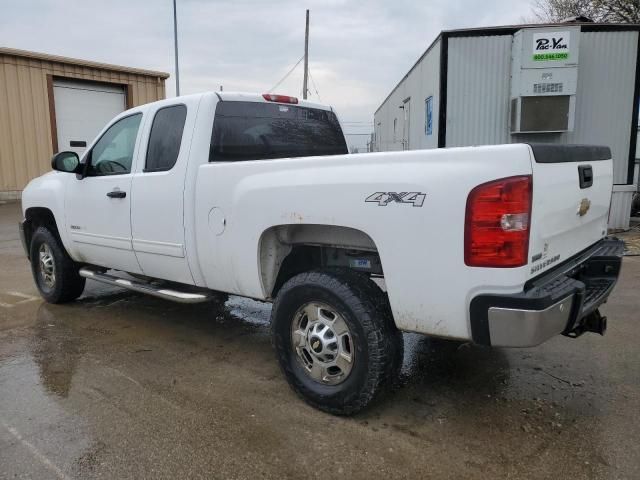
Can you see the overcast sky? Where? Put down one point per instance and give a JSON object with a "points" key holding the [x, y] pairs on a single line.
{"points": [[358, 50]]}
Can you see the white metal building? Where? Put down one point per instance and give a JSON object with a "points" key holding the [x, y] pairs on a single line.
{"points": [[559, 83]]}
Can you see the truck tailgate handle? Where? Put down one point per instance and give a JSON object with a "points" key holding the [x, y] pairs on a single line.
{"points": [[585, 174], [117, 194]]}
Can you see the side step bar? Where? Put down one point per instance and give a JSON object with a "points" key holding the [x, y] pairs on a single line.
{"points": [[142, 287]]}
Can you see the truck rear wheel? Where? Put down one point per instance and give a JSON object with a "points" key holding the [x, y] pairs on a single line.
{"points": [[335, 339], [55, 273]]}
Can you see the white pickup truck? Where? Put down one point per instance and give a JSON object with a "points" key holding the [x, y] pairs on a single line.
{"points": [[255, 195]]}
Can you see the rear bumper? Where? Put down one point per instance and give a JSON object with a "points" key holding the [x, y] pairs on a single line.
{"points": [[562, 301]]}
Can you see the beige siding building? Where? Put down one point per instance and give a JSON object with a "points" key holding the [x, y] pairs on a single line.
{"points": [[50, 103]]}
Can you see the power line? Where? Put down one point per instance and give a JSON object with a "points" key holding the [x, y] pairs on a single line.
{"points": [[287, 74], [314, 86]]}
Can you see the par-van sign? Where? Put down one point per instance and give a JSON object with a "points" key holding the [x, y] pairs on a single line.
{"points": [[551, 46]]}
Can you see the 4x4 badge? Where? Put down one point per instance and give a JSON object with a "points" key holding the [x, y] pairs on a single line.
{"points": [[385, 198]]}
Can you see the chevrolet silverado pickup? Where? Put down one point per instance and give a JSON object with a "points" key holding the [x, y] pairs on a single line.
{"points": [[255, 195]]}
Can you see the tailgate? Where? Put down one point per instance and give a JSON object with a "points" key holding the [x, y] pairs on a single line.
{"points": [[571, 195]]}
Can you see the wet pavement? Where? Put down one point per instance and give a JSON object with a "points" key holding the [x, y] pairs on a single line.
{"points": [[631, 238], [117, 385]]}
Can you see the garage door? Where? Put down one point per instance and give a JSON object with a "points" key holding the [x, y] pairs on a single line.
{"points": [[82, 111]]}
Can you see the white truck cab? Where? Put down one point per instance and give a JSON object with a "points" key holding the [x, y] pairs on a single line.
{"points": [[255, 195]]}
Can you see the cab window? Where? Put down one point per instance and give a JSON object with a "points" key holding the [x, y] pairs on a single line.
{"points": [[113, 153], [262, 131], [165, 138]]}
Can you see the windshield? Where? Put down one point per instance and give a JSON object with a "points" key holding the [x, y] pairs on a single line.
{"points": [[260, 131]]}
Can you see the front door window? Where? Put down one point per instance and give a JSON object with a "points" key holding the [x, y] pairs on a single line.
{"points": [[113, 153]]}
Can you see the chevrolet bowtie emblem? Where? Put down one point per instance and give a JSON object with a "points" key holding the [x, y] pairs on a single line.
{"points": [[585, 204]]}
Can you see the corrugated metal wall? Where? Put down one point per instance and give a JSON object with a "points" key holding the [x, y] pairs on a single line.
{"points": [[604, 99], [478, 94], [620, 210], [478, 80], [25, 127]]}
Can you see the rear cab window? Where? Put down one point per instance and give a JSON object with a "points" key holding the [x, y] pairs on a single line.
{"points": [[263, 131]]}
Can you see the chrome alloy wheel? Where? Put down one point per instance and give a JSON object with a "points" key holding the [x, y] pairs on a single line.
{"points": [[47, 265], [322, 341]]}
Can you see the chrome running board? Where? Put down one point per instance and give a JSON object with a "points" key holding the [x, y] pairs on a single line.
{"points": [[147, 288]]}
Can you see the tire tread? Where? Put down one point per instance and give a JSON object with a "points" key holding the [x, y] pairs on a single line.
{"points": [[69, 284], [384, 342]]}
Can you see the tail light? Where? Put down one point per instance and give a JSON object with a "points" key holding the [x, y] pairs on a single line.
{"points": [[270, 97], [496, 230]]}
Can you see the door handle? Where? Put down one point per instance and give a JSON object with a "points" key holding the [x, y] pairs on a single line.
{"points": [[585, 175], [117, 194]]}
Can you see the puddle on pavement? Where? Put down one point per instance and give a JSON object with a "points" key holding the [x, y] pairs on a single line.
{"points": [[63, 333], [39, 433], [56, 350]]}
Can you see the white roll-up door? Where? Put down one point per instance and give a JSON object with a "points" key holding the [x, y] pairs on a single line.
{"points": [[82, 111]]}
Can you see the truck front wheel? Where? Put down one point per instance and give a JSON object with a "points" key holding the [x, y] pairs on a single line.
{"points": [[335, 339], [55, 273]]}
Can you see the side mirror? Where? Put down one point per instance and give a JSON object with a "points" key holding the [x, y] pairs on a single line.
{"points": [[65, 162]]}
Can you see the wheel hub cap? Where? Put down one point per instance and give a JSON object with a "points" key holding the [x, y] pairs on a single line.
{"points": [[47, 265], [322, 342], [316, 345]]}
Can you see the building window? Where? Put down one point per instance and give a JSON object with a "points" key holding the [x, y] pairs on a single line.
{"points": [[395, 128], [428, 115]]}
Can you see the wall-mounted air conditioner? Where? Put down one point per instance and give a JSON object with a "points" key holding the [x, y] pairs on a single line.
{"points": [[544, 78]]}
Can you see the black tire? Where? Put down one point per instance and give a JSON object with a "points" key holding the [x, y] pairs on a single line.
{"points": [[377, 342], [67, 284]]}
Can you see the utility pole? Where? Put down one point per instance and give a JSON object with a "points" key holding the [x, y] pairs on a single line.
{"points": [[306, 59], [175, 43]]}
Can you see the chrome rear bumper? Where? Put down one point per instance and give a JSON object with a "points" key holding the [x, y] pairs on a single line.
{"points": [[562, 301], [512, 327]]}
